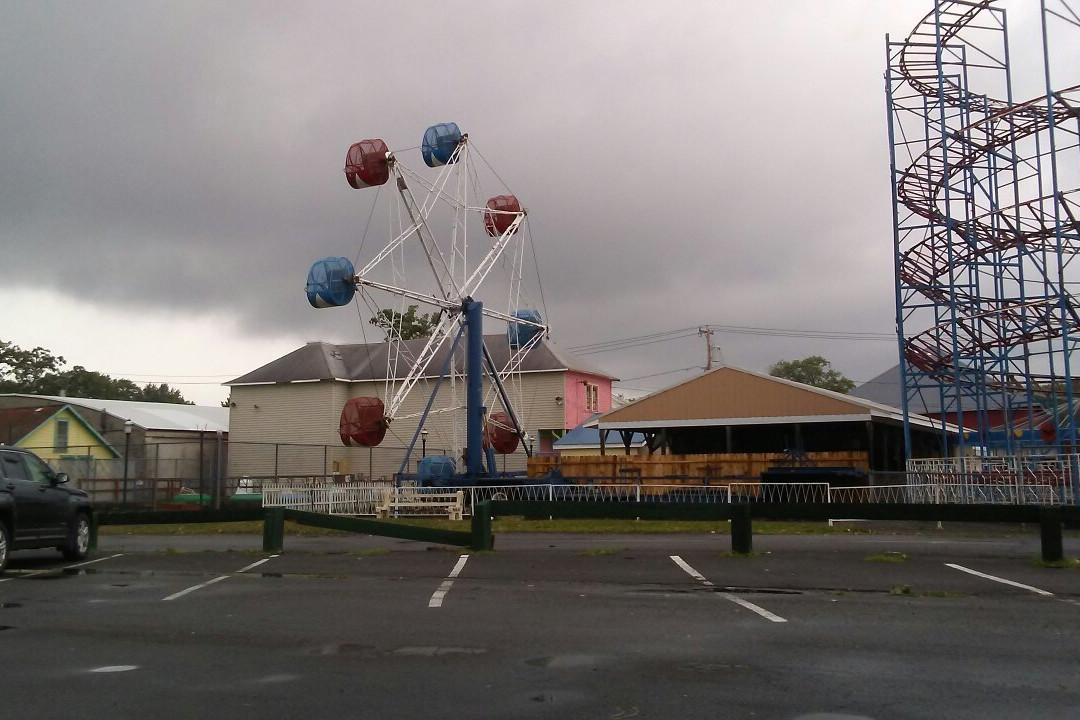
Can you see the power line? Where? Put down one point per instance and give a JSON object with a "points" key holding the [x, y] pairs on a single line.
{"points": [[668, 372], [681, 333]]}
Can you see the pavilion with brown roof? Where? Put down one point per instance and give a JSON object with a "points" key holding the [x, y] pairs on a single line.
{"points": [[731, 410]]}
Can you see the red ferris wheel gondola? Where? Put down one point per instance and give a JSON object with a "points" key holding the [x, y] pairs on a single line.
{"points": [[499, 433], [363, 422], [501, 212], [365, 164]]}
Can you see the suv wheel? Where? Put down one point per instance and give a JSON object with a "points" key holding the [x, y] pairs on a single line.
{"points": [[5, 545], [78, 544]]}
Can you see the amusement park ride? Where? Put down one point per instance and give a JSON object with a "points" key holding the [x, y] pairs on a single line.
{"points": [[986, 194], [430, 230]]}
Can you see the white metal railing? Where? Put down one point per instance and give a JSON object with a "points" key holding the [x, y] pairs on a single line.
{"points": [[1014, 480], [421, 502], [355, 498], [362, 498]]}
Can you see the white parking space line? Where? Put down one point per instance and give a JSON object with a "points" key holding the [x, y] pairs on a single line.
{"points": [[193, 588], [437, 598], [690, 571], [256, 564], [1003, 581], [91, 562], [772, 617]]}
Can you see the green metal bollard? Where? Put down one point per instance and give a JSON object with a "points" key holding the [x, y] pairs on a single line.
{"points": [[742, 534], [93, 532], [482, 539], [1053, 549], [274, 530]]}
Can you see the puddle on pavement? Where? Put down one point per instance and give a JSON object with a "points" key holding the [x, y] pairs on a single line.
{"points": [[565, 697], [272, 575], [757, 591], [6, 606], [700, 589], [715, 667], [435, 651], [343, 649], [567, 661], [7, 627]]}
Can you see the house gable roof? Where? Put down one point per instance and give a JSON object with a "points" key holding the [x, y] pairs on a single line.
{"points": [[365, 362], [28, 419], [17, 423], [733, 396]]}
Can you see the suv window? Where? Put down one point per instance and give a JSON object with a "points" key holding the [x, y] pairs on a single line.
{"points": [[40, 473], [13, 466]]}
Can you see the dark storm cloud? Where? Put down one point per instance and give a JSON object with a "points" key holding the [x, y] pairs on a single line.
{"points": [[683, 163]]}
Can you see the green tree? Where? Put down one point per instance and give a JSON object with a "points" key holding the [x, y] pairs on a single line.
{"points": [[163, 394], [80, 382], [24, 370], [39, 372], [407, 325], [814, 370]]}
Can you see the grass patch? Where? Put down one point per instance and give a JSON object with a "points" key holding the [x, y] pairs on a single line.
{"points": [[887, 557], [1065, 564], [508, 524], [245, 527], [940, 594], [371, 552], [597, 552], [907, 591]]}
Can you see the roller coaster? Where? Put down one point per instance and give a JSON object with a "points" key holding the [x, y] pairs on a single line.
{"points": [[986, 220]]}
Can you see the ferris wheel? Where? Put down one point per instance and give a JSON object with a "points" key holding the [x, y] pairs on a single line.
{"points": [[448, 250]]}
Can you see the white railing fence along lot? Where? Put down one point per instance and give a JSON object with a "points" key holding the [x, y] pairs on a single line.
{"points": [[935, 483]]}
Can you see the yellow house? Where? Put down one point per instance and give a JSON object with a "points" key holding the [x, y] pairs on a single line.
{"points": [[54, 433]]}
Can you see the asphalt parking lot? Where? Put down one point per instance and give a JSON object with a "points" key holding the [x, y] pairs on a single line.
{"points": [[566, 626]]}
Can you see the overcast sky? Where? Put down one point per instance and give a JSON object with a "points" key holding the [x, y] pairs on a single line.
{"points": [[170, 170]]}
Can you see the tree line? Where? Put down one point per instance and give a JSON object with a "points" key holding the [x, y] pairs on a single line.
{"points": [[39, 372]]}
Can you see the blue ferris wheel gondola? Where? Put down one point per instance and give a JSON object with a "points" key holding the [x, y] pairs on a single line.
{"points": [[521, 334], [440, 141], [330, 283]]}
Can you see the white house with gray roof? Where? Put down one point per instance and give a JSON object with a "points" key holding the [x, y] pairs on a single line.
{"points": [[284, 415]]}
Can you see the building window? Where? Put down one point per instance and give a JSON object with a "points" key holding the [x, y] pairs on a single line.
{"points": [[592, 397], [60, 440]]}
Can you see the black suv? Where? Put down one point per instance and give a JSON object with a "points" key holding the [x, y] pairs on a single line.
{"points": [[36, 510]]}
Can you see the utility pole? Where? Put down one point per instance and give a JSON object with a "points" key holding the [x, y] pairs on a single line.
{"points": [[708, 333]]}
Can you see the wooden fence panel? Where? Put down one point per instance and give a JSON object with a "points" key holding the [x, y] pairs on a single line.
{"points": [[683, 469]]}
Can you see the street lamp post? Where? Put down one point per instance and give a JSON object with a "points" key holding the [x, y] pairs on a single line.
{"points": [[127, 450], [423, 443]]}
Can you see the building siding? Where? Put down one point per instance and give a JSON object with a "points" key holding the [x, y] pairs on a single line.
{"points": [[294, 429]]}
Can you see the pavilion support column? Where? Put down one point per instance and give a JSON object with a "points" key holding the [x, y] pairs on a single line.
{"points": [[729, 446], [870, 444], [603, 442]]}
